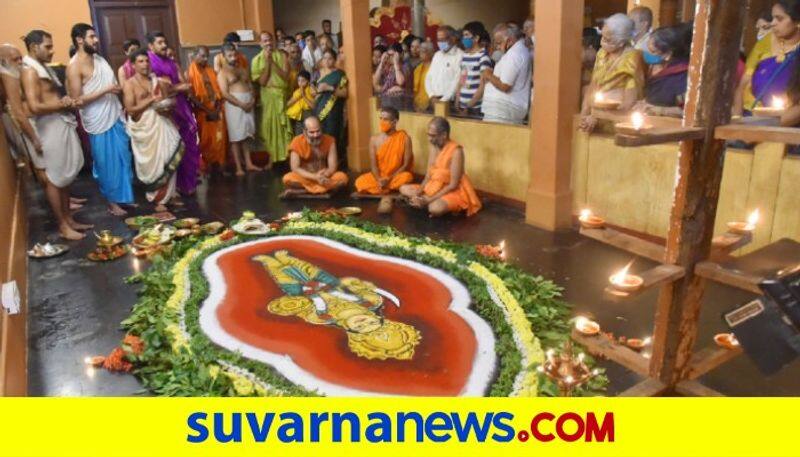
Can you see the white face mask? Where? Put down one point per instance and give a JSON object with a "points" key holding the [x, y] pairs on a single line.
{"points": [[761, 34]]}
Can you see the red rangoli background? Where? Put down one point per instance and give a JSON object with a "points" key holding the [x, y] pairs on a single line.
{"points": [[442, 361]]}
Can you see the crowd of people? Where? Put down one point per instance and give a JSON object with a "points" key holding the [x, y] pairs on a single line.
{"points": [[168, 127], [151, 119]]}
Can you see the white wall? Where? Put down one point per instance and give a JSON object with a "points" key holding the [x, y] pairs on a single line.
{"points": [[297, 15]]}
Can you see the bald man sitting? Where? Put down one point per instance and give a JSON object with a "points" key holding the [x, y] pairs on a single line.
{"points": [[313, 160]]}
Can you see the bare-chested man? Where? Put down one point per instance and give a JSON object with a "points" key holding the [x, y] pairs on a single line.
{"points": [[155, 140], [14, 111], [91, 81], [236, 89], [61, 154]]}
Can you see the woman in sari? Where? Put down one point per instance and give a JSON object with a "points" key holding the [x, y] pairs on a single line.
{"points": [[618, 70], [770, 64], [667, 53], [331, 95]]}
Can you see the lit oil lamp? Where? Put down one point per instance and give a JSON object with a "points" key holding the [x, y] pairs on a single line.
{"points": [[726, 340], [625, 282], [775, 109], [566, 370], [638, 124], [637, 344], [95, 361], [603, 102], [502, 248], [586, 326], [590, 221], [743, 228]]}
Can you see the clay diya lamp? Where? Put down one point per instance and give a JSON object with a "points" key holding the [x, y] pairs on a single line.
{"points": [[726, 340], [637, 344], [637, 125], [622, 281], [601, 102], [775, 109], [744, 228], [586, 326], [95, 361], [590, 221]]}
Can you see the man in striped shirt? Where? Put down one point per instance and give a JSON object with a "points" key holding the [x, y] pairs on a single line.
{"points": [[474, 61]]}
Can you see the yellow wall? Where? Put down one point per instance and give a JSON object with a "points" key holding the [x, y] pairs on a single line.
{"points": [[633, 187], [497, 156], [207, 21], [18, 17]]}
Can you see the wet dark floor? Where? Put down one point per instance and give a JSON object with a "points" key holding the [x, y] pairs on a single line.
{"points": [[76, 305]]}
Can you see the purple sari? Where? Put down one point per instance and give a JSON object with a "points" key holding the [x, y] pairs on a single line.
{"points": [[771, 78], [187, 125]]}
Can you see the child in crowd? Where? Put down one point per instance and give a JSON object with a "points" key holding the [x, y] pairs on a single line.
{"points": [[302, 102]]}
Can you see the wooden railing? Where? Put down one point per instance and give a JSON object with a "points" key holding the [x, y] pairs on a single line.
{"points": [[13, 267]]}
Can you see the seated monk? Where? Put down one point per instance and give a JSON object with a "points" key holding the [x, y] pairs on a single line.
{"points": [[390, 157], [446, 188], [313, 160]]}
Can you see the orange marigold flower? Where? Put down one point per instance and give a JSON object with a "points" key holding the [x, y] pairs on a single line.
{"points": [[135, 343], [116, 361]]}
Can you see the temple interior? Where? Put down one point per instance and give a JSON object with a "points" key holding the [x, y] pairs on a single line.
{"points": [[559, 203]]}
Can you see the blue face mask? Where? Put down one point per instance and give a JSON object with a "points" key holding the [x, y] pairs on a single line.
{"points": [[652, 59], [444, 46], [467, 42], [302, 44]]}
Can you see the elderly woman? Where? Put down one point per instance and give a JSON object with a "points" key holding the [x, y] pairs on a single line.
{"points": [[770, 64], [618, 70], [667, 53]]}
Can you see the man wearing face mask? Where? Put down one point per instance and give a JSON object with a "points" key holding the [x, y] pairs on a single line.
{"points": [[473, 63], [391, 158], [442, 77], [642, 17], [446, 187], [507, 95], [314, 163]]}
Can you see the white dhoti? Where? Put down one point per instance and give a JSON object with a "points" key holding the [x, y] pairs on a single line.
{"points": [[503, 112], [241, 124], [157, 152], [62, 153]]}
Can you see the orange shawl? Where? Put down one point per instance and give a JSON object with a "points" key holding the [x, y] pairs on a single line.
{"points": [[300, 145], [199, 86], [391, 153]]}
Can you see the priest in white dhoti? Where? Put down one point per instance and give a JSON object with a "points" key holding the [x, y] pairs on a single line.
{"points": [[92, 82], [156, 141]]}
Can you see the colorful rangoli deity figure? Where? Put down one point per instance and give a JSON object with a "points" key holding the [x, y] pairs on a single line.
{"points": [[351, 304]]}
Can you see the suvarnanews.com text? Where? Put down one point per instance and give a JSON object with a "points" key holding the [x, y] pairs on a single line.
{"points": [[410, 426]]}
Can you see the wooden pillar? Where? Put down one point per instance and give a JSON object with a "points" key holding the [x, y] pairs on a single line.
{"points": [[557, 82], [418, 18], [754, 9], [715, 47], [264, 17], [654, 5], [669, 13], [358, 67], [687, 10]]}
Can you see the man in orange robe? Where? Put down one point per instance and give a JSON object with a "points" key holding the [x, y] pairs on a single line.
{"points": [[313, 160], [208, 102], [391, 158], [446, 188]]}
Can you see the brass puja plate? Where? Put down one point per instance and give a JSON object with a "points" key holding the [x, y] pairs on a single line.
{"points": [[349, 210], [39, 251], [186, 223]]}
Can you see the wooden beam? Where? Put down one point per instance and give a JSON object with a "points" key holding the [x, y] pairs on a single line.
{"points": [[600, 345], [734, 278], [630, 243], [758, 133], [653, 277], [710, 358], [728, 242], [715, 48], [658, 136], [692, 388], [557, 78], [648, 388]]}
